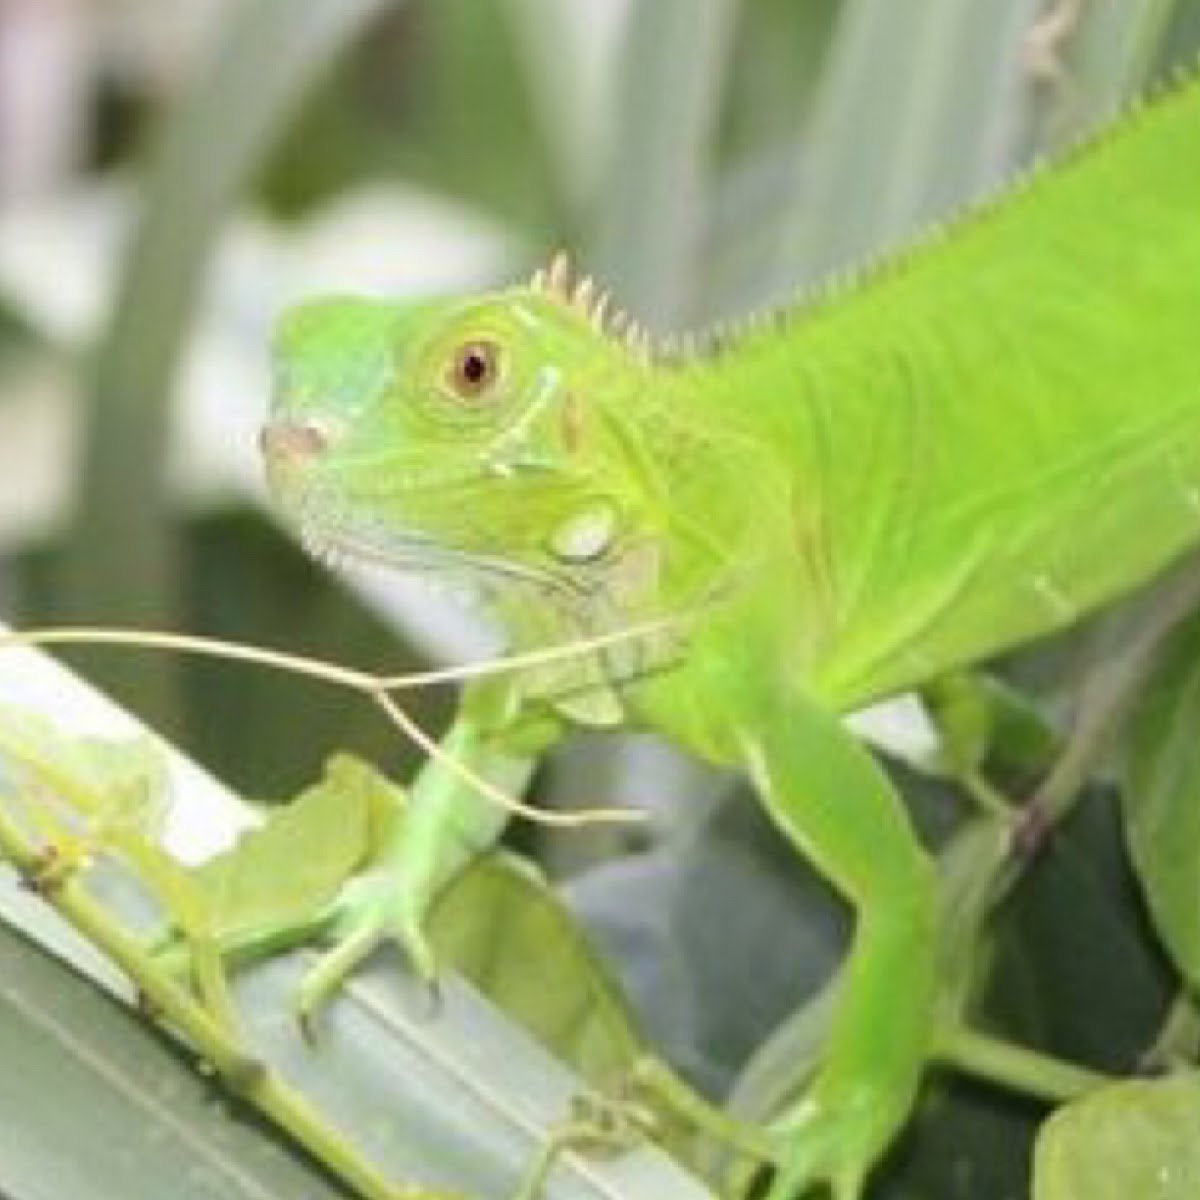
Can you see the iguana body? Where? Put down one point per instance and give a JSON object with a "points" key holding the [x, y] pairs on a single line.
{"points": [[969, 446], [997, 431]]}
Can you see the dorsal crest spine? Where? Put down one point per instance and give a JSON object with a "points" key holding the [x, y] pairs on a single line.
{"points": [[559, 281]]}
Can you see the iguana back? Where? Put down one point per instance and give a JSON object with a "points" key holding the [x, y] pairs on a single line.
{"points": [[1000, 429]]}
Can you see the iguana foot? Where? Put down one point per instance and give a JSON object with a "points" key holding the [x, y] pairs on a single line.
{"points": [[830, 1140], [371, 909]]}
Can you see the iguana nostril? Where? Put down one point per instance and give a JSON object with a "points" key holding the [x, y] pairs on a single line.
{"points": [[292, 439]]}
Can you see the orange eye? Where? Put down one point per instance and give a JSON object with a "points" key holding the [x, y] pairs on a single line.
{"points": [[474, 369]]}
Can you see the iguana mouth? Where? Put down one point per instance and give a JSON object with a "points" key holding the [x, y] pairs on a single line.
{"points": [[419, 553], [331, 533]]}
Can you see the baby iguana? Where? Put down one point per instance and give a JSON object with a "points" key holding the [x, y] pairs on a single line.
{"points": [[968, 446]]}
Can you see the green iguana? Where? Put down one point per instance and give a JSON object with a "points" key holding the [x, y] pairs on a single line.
{"points": [[968, 446]]}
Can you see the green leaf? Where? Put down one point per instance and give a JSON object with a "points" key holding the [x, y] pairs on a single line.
{"points": [[1050, 986], [119, 784], [293, 864], [508, 934], [1161, 797], [1133, 1141]]}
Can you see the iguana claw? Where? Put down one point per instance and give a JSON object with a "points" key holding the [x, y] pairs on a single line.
{"points": [[371, 909]]}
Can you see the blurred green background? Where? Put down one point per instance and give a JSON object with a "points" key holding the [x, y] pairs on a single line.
{"points": [[172, 174]]}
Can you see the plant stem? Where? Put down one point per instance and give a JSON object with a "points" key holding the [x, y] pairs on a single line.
{"points": [[1107, 695], [655, 1079], [1178, 1040], [1015, 1067], [247, 1076]]}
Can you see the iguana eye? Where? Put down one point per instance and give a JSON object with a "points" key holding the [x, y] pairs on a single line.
{"points": [[474, 369]]}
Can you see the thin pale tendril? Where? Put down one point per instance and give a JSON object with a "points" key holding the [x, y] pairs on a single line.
{"points": [[528, 658], [587, 816], [375, 687]]}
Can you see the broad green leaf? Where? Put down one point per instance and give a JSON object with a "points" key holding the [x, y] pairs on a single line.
{"points": [[508, 934], [1133, 1141], [82, 796], [1161, 797], [1076, 972], [293, 864], [85, 797], [117, 785]]}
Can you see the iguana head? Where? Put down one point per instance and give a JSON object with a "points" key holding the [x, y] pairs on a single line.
{"points": [[490, 437]]}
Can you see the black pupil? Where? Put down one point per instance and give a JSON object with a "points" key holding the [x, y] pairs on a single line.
{"points": [[474, 367]]}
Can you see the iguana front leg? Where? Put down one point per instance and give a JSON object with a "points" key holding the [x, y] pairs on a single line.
{"points": [[829, 797], [440, 824], [445, 824]]}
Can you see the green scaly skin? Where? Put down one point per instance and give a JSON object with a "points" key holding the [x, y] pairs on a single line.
{"points": [[968, 447]]}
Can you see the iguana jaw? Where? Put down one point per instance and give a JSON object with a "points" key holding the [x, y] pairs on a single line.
{"points": [[419, 554], [333, 532], [534, 606]]}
